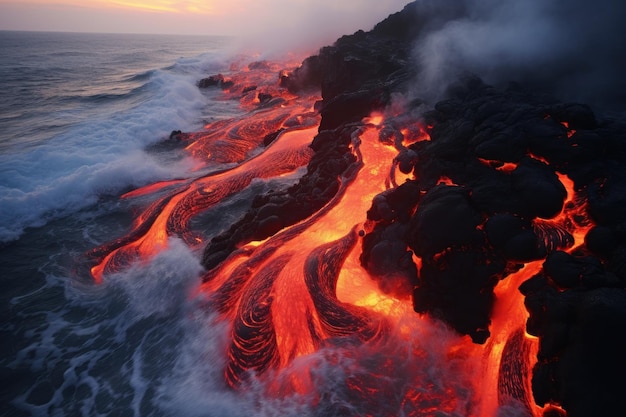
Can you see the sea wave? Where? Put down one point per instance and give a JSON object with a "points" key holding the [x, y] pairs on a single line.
{"points": [[101, 150]]}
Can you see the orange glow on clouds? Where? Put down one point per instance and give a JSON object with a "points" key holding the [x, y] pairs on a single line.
{"points": [[170, 6], [163, 6], [271, 22]]}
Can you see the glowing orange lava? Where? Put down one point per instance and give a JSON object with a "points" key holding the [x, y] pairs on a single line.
{"points": [[304, 289], [510, 351], [229, 141], [570, 132], [506, 167], [508, 335], [301, 296], [299, 330]]}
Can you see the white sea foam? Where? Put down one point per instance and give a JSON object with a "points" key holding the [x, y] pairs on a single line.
{"points": [[102, 155], [105, 349], [142, 343], [162, 286]]}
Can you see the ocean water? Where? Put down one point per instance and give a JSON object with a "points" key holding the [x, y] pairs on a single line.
{"points": [[83, 118]]}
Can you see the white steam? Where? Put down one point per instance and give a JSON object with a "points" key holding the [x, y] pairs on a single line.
{"points": [[572, 49]]}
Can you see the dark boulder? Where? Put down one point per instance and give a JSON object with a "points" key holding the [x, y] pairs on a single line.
{"points": [[607, 199], [217, 80], [264, 98], [444, 218], [456, 286], [514, 238], [538, 189], [601, 240], [581, 356], [386, 258]]}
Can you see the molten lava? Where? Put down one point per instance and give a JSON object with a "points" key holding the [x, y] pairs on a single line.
{"points": [[301, 296], [224, 141], [297, 276]]}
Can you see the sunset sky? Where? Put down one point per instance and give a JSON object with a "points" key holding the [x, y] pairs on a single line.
{"points": [[322, 18]]}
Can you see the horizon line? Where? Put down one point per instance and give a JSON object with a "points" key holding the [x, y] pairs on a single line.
{"points": [[117, 33]]}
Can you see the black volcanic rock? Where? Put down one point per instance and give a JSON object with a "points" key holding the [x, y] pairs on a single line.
{"points": [[499, 154], [264, 98], [444, 218], [581, 352], [538, 189], [217, 80], [470, 238], [513, 238], [360, 71], [386, 258], [456, 285], [600, 240]]}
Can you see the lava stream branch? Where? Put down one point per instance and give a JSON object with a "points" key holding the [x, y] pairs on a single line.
{"points": [[254, 347], [304, 306], [322, 271], [170, 215]]}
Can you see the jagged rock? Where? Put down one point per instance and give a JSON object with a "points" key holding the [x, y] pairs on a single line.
{"points": [[456, 286], [217, 80], [271, 137], [600, 240], [514, 238], [386, 258], [581, 354], [175, 135], [607, 200]]}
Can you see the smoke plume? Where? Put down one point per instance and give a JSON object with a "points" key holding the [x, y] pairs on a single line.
{"points": [[573, 49]]}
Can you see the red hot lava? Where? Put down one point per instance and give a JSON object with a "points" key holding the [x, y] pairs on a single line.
{"points": [[292, 121], [301, 299]]}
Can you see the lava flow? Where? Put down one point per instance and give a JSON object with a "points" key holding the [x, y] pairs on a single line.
{"points": [[303, 291], [300, 300], [290, 123]]}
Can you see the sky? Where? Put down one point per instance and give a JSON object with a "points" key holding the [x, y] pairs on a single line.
{"points": [[321, 19]]}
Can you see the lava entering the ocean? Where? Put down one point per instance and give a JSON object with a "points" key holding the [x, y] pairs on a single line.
{"points": [[289, 121], [304, 290], [492, 216]]}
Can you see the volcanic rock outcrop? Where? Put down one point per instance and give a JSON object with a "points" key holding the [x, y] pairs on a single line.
{"points": [[501, 206], [507, 177]]}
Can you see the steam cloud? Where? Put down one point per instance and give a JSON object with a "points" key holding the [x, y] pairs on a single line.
{"points": [[573, 49]]}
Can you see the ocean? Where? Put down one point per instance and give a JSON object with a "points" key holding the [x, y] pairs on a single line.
{"points": [[83, 118]]}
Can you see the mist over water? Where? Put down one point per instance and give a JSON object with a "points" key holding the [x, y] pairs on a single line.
{"points": [[571, 49]]}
